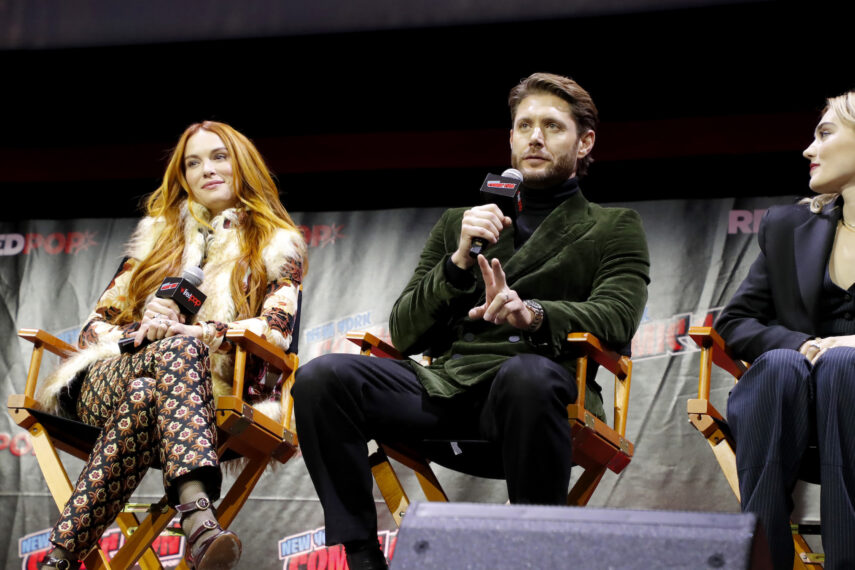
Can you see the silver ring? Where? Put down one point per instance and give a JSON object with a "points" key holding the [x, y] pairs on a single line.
{"points": [[815, 345]]}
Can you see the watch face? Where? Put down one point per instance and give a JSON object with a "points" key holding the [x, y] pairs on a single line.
{"points": [[537, 315]]}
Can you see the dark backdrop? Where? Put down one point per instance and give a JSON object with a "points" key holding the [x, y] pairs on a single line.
{"points": [[402, 110]]}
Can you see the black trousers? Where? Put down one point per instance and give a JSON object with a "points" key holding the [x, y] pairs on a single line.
{"points": [[342, 401], [774, 411]]}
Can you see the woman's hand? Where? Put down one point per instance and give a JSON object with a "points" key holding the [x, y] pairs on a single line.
{"points": [[182, 329], [162, 318], [815, 348], [164, 309]]}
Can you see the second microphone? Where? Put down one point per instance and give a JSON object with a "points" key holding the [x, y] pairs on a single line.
{"points": [[184, 291]]}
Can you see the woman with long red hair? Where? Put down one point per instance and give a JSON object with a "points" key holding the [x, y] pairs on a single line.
{"points": [[218, 209]]}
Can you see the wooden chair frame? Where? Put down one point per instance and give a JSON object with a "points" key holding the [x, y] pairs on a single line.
{"points": [[713, 426], [243, 431], [596, 445]]}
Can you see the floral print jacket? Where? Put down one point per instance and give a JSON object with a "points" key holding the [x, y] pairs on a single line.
{"points": [[215, 251]]}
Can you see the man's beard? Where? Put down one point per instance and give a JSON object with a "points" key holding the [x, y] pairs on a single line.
{"points": [[558, 171]]}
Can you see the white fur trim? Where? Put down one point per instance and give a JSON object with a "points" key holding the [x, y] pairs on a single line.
{"points": [[284, 245], [145, 235], [270, 408], [51, 387], [223, 250], [276, 338]]}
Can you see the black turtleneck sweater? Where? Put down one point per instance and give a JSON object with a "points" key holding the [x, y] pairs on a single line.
{"points": [[537, 204]]}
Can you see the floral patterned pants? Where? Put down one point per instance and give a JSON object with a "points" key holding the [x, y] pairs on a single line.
{"points": [[155, 405]]}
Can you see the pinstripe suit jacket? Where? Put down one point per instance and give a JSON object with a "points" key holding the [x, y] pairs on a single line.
{"points": [[777, 304]]}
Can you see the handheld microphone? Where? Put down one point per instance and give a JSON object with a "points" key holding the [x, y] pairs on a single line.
{"points": [[183, 291], [504, 191]]}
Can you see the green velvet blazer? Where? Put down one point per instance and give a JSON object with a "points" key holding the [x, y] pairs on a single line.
{"points": [[587, 265]]}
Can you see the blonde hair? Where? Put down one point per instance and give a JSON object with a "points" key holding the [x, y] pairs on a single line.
{"points": [[263, 214], [844, 107]]}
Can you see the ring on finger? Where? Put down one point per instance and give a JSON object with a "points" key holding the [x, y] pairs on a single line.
{"points": [[815, 345]]}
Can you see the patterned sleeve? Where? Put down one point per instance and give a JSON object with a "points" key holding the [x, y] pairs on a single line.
{"points": [[278, 311], [112, 301]]}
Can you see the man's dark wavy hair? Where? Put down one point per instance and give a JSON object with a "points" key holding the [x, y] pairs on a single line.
{"points": [[582, 106]]}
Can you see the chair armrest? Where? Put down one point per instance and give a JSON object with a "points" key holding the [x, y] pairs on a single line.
{"points": [[48, 341], [614, 362], [42, 340], [370, 344], [722, 356], [261, 348], [611, 360]]}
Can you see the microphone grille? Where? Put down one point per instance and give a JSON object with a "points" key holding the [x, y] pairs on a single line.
{"points": [[194, 275], [513, 173]]}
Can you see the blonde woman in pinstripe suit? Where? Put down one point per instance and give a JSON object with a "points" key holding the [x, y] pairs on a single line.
{"points": [[794, 317]]}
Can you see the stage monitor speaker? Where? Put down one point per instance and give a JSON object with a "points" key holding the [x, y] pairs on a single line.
{"points": [[473, 536]]}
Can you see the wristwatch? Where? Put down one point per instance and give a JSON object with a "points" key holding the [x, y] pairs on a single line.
{"points": [[536, 314]]}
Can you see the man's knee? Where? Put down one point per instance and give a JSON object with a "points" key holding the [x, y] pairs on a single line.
{"points": [[533, 378], [322, 377]]}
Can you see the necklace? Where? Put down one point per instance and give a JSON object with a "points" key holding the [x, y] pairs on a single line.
{"points": [[847, 225]]}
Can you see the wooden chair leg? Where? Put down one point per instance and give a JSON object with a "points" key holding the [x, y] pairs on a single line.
{"points": [[727, 461], [140, 534], [97, 560], [805, 558], [581, 492], [129, 523], [240, 491], [55, 475], [389, 484], [427, 478], [430, 485]]}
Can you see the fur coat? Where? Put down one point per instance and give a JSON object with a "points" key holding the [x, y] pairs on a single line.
{"points": [[216, 251]]}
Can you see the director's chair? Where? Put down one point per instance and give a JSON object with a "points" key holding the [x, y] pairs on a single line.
{"points": [[243, 432], [596, 445], [713, 426]]}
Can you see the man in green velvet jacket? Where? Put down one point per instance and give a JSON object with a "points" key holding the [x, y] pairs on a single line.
{"points": [[496, 326], [586, 266]]}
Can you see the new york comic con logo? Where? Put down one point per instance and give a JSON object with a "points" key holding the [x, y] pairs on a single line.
{"points": [[169, 547], [657, 338], [53, 243], [308, 550]]}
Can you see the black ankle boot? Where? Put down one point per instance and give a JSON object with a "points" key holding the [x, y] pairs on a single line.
{"points": [[365, 555]]}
